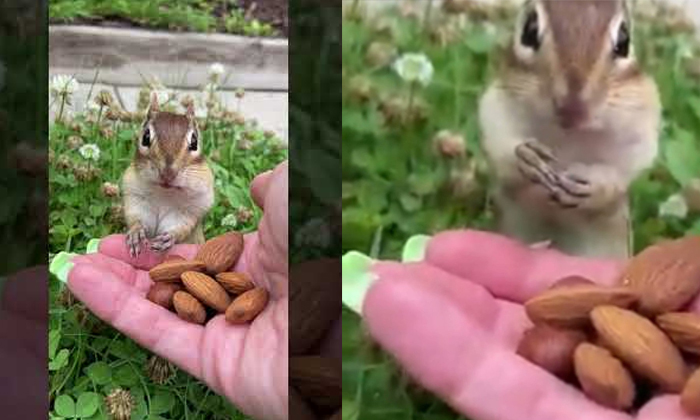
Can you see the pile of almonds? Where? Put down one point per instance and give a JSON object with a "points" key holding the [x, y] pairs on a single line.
{"points": [[624, 343], [201, 288]]}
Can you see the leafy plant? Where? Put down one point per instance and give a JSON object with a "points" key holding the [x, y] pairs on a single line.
{"points": [[180, 15], [88, 360]]}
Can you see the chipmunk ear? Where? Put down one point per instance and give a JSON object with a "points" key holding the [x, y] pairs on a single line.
{"points": [[153, 106], [189, 111]]}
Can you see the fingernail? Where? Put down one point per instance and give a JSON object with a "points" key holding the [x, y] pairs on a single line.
{"points": [[61, 265], [414, 249], [357, 279], [93, 246]]}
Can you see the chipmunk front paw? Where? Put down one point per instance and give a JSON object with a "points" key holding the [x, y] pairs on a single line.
{"points": [[573, 190], [162, 242], [535, 163], [134, 237]]}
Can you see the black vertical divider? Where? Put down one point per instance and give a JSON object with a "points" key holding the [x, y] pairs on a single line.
{"points": [[23, 209], [315, 208]]}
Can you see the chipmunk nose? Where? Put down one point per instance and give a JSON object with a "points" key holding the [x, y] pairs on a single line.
{"points": [[572, 112], [167, 175]]}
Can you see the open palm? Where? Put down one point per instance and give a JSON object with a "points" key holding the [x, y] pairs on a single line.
{"points": [[245, 363], [454, 321]]}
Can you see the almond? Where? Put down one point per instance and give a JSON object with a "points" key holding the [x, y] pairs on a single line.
{"points": [[666, 276], [641, 345], [172, 270], [315, 289], [162, 294], [221, 253], [690, 398], [173, 257], [207, 290], [551, 349], [603, 377], [318, 379], [247, 306], [683, 328], [570, 306], [189, 308], [235, 283]]}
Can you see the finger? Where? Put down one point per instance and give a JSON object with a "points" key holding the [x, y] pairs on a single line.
{"points": [[509, 269], [452, 354], [259, 186], [667, 407], [506, 321], [148, 324], [138, 279]]}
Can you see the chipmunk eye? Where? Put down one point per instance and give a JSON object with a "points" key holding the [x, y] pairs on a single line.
{"points": [[194, 143], [622, 46], [531, 31], [146, 138]]}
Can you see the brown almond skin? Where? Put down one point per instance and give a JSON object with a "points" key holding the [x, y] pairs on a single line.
{"points": [[172, 270], [641, 345], [207, 290], [173, 257], [162, 294], [683, 328], [690, 397], [603, 377], [188, 308], [315, 290], [570, 307], [318, 379], [666, 275], [247, 306], [221, 253], [551, 349], [234, 282]]}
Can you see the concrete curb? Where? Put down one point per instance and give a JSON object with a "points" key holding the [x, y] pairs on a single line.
{"points": [[180, 60]]}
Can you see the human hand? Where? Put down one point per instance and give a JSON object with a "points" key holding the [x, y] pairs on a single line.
{"points": [[454, 320], [246, 363]]}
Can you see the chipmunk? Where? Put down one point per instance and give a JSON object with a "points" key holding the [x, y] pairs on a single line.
{"points": [[570, 121], [168, 188]]}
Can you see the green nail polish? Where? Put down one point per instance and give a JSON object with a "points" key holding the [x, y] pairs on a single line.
{"points": [[357, 279], [61, 265], [93, 246], [414, 249]]}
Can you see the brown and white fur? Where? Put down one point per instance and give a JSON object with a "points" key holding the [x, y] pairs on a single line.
{"points": [[168, 188], [568, 124]]}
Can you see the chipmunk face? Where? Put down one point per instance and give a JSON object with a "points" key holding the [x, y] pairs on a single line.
{"points": [[577, 54], [169, 147]]}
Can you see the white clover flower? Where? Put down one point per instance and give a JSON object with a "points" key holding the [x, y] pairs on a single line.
{"points": [[216, 70], [675, 206], [412, 67], [315, 233], [92, 107], [63, 85], [90, 151], [229, 220]]}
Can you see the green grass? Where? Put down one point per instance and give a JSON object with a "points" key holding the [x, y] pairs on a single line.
{"points": [[179, 15], [87, 358], [395, 185]]}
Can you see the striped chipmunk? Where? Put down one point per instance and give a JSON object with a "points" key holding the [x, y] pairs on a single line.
{"points": [[168, 188], [568, 123]]}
